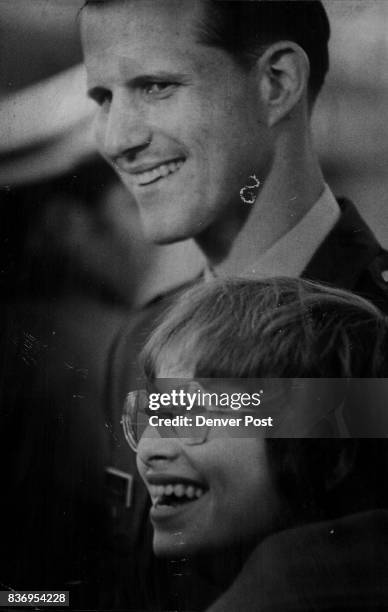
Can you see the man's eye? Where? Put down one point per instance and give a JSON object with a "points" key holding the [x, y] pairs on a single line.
{"points": [[158, 88]]}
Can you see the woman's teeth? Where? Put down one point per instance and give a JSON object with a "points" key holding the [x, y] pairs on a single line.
{"points": [[169, 492], [144, 178]]}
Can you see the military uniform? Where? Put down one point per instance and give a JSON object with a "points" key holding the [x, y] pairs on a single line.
{"points": [[351, 258]]}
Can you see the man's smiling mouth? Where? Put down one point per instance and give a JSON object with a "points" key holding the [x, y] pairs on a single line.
{"points": [[148, 177]]}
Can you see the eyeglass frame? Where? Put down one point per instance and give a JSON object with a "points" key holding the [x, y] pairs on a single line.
{"points": [[127, 421], [334, 415]]}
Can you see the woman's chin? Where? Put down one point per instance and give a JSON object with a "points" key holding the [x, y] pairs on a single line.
{"points": [[172, 546], [190, 543]]}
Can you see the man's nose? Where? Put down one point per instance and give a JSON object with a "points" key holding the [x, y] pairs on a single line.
{"points": [[125, 131], [154, 449]]}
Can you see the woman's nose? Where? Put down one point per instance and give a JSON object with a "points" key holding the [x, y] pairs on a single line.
{"points": [[154, 449]]}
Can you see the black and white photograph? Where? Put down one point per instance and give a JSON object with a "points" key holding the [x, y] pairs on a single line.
{"points": [[194, 305]]}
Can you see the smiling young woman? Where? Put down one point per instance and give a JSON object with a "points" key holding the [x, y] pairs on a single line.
{"points": [[221, 496]]}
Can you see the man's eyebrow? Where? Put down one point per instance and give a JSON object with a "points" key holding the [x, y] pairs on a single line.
{"points": [[144, 79], [157, 75]]}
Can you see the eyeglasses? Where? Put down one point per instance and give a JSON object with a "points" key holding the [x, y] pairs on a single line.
{"points": [[136, 415], [311, 408], [171, 423]]}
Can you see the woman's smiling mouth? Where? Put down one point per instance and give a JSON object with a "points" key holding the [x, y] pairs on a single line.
{"points": [[172, 494]]}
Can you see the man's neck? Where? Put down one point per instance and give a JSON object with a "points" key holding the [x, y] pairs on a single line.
{"points": [[291, 188]]}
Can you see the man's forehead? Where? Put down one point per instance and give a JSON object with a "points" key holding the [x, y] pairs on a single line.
{"points": [[138, 35], [153, 16]]}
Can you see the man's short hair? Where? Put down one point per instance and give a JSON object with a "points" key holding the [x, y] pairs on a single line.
{"points": [[245, 28]]}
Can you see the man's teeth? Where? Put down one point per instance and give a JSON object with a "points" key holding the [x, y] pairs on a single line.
{"points": [[157, 492], [143, 178]]}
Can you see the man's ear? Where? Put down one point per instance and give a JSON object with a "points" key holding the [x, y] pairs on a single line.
{"points": [[283, 71]]}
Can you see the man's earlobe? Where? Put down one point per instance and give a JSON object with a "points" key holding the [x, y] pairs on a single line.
{"points": [[284, 72]]}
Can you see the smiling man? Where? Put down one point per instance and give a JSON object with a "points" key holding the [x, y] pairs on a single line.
{"points": [[197, 97], [186, 122], [177, 119], [203, 108]]}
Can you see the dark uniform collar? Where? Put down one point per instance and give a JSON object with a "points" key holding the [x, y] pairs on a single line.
{"points": [[345, 253]]}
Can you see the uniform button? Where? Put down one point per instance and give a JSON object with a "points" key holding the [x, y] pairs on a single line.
{"points": [[384, 276]]}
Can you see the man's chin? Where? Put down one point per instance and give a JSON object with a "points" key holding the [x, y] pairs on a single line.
{"points": [[158, 234]]}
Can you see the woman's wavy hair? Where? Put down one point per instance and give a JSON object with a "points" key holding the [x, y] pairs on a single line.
{"points": [[287, 328], [280, 328]]}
